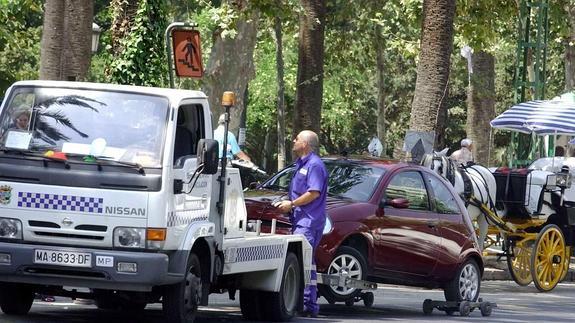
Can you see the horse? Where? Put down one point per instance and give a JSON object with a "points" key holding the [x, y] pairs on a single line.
{"points": [[474, 183]]}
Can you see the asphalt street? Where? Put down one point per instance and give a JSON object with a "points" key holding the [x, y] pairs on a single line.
{"points": [[392, 303]]}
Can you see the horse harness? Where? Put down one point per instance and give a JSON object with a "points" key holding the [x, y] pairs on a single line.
{"points": [[467, 195], [470, 199]]}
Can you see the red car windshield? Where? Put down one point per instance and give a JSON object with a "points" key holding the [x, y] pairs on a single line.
{"points": [[347, 179]]}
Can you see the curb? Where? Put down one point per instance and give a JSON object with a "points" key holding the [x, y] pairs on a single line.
{"points": [[497, 270]]}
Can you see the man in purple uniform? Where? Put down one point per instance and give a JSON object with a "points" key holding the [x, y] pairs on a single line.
{"points": [[308, 191]]}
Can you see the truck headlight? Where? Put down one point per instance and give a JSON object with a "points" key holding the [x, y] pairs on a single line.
{"points": [[129, 237], [10, 228], [328, 226]]}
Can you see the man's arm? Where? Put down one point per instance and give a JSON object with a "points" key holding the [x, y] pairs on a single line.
{"points": [[305, 198], [244, 156]]}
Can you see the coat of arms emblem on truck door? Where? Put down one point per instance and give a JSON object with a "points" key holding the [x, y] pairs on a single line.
{"points": [[5, 194]]}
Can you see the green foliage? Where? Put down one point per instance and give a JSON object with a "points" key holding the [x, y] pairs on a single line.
{"points": [[350, 93], [20, 33], [142, 61], [350, 90], [100, 60], [262, 107], [349, 99]]}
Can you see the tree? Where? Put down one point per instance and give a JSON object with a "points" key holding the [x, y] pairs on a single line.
{"points": [[281, 120], [66, 39], [20, 34], [123, 15], [431, 87], [231, 66], [52, 43], [309, 92], [138, 43], [481, 104], [380, 63], [478, 27], [570, 49]]}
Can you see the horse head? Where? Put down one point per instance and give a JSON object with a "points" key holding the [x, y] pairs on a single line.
{"points": [[440, 164]]}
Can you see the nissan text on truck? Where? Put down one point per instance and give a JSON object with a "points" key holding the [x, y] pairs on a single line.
{"points": [[112, 193]]}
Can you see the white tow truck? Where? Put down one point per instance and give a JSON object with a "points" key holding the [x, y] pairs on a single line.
{"points": [[112, 193]]}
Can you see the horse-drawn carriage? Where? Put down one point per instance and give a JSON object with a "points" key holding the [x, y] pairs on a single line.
{"points": [[531, 210], [539, 217]]}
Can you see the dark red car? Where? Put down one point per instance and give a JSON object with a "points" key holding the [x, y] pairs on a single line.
{"points": [[388, 222]]}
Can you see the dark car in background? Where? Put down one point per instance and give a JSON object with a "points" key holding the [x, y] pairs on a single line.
{"points": [[387, 222]]}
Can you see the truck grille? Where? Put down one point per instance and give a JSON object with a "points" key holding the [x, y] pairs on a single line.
{"points": [[83, 227], [67, 235]]}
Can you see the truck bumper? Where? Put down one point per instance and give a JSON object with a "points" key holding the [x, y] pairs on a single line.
{"points": [[152, 268]]}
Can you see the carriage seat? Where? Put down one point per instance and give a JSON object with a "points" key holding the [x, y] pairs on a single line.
{"points": [[512, 189]]}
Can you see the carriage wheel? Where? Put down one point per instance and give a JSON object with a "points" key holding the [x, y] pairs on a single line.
{"points": [[519, 262], [547, 259]]}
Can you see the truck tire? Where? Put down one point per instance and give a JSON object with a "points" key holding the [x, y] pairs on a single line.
{"points": [[16, 299], [180, 301], [251, 304], [282, 306]]}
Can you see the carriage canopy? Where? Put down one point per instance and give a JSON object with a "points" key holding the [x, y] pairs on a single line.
{"points": [[542, 117]]}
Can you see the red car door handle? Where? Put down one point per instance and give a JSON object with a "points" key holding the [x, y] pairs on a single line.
{"points": [[432, 223]]}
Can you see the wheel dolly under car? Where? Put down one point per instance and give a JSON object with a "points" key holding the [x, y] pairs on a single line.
{"points": [[343, 280], [463, 307]]}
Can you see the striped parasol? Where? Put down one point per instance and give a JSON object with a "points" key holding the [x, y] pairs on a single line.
{"points": [[542, 117]]}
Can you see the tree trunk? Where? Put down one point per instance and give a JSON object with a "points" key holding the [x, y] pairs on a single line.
{"points": [[431, 86], [52, 43], [123, 13], [379, 51], [570, 50], [78, 46], [481, 104], [231, 66], [281, 94], [66, 40], [309, 91]]}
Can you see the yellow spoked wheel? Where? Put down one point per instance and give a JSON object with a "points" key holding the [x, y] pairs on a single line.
{"points": [[547, 259], [519, 262], [566, 261]]}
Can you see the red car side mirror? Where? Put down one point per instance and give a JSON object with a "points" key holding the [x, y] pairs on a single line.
{"points": [[398, 203]]}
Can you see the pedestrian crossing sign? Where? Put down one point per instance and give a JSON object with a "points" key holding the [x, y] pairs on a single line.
{"points": [[187, 53]]}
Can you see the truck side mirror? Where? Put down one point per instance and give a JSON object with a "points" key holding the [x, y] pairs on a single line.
{"points": [[208, 155]]}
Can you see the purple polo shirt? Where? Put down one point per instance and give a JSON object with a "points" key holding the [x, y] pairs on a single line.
{"points": [[310, 175]]}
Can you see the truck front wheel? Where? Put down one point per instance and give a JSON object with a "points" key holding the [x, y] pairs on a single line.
{"points": [[180, 301], [16, 299]]}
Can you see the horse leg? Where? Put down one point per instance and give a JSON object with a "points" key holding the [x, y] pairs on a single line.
{"points": [[483, 226]]}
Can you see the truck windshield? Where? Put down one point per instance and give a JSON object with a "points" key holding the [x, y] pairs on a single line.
{"points": [[115, 125]]}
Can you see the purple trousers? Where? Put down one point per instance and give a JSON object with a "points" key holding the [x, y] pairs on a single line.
{"points": [[310, 291]]}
